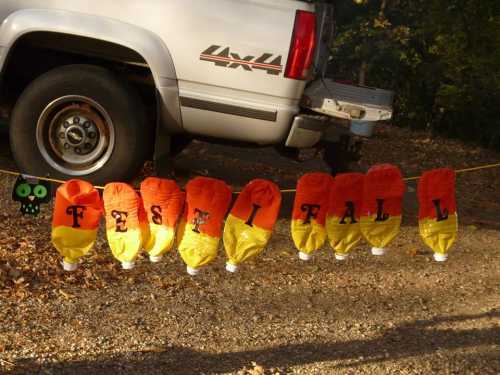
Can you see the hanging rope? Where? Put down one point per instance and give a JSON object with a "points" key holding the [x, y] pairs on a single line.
{"points": [[284, 191]]}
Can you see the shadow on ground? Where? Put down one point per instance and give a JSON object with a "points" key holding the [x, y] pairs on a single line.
{"points": [[414, 339]]}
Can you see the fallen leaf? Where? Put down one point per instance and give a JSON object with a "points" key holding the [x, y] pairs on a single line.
{"points": [[66, 295], [412, 251]]}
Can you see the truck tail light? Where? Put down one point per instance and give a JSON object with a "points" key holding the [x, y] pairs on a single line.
{"points": [[302, 47]]}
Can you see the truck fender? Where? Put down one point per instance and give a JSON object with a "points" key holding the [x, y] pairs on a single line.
{"points": [[144, 42]]}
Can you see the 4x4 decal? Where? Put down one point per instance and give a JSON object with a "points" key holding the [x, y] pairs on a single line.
{"points": [[228, 59]]}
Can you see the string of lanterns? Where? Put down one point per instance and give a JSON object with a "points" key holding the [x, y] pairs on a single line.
{"points": [[160, 216]]}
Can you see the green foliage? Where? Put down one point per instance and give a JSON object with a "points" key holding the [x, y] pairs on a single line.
{"points": [[441, 57]]}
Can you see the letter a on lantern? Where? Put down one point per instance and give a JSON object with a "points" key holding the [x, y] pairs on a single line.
{"points": [[382, 205], [249, 225], [126, 222], [437, 215], [77, 211], [344, 213], [163, 201], [309, 213], [200, 228]]}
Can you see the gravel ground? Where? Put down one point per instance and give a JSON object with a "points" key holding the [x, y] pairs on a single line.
{"points": [[401, 314]]}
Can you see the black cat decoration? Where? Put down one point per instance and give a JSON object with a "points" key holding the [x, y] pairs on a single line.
{"points": [[31, 195]]}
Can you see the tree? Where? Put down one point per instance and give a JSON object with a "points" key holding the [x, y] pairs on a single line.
{"points": [[442, 58]]}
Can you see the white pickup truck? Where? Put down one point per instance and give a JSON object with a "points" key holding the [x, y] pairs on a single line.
{"points": [[95, 88]]}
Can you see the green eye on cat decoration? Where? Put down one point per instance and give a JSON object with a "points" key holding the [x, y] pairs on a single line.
{"points": [[31, 194]]}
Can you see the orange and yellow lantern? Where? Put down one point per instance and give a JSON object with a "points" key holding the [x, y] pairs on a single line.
{"points": [[309, 213], [163, 201], [200, 228], [438, 220], [249, 225], [126, 222], [77, 211], [382, 206], [344, 213]]}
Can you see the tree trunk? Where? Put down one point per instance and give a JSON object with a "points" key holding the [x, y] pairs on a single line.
{"points": [[362, 73]]}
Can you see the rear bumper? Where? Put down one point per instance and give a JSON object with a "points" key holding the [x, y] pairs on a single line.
{"points": [[349, 101]]}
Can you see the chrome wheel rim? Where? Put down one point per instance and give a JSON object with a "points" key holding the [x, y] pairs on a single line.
{"points": [[75, 135]]}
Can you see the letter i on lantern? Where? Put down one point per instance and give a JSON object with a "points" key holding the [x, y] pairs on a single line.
{"points": [[75, 223], [200, 228], [309, 213], [344, 213], [126, 222], [438, 219], [249, 225], [163, 201], [382, 206]]}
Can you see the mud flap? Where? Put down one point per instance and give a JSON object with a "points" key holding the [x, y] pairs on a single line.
{"points": [[161, 157], [162, 145]]}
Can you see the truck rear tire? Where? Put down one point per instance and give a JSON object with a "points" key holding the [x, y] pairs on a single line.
{"points": [[80, 121]]}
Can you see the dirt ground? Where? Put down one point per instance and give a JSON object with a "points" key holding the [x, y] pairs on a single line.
{"points": [[398, 314]]}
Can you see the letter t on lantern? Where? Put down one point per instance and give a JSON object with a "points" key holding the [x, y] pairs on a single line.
{"points": [[200, 228]]}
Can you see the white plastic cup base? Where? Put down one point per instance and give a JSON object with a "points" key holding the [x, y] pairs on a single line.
{"points": [[155, 259], [304, 256], [69, 267], [440, 257], [192, 271], [378, 251], [231, 267], [128, 265], [341, 256]]}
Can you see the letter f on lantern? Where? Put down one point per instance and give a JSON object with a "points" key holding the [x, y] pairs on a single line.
{"points": [[312, 211], [77, 213]]}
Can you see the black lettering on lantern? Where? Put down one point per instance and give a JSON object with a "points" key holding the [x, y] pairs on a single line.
{"points": [[201, 217], [121, 220], [250, 220], [349, 213], [156, 212], [77, 213], [441, 215], [381, 216], [312, 211]]}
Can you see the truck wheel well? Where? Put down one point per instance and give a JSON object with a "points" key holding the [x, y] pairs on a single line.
{"points": [[38, 52]]}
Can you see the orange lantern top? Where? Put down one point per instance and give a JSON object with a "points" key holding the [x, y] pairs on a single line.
{"points": [[77, 205]]}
